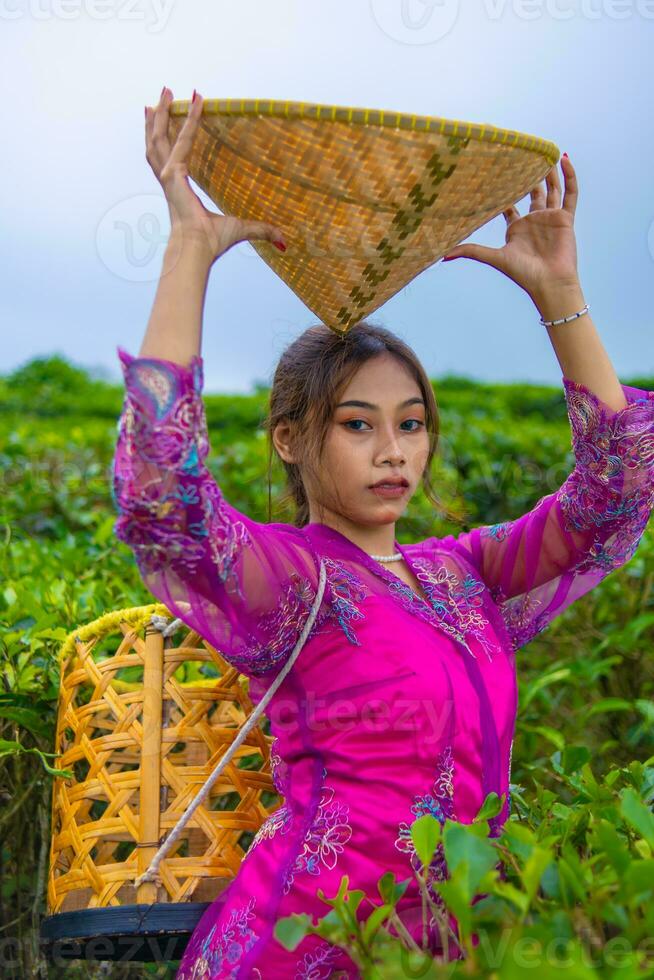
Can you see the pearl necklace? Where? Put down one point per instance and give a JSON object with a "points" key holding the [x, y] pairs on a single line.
{"points": [[396, 557]]}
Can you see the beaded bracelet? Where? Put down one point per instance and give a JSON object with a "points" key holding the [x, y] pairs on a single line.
{"points": [[565, 319]]}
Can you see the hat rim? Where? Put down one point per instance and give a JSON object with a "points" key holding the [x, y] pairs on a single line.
{"points": [[356, 115]]}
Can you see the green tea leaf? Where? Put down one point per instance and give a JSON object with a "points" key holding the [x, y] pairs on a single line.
{"points": [[637, 815], [425, 834], [291, 930], [465, 849]]}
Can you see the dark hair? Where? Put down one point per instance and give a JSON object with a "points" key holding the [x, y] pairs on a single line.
{"points": [[308, 379]]}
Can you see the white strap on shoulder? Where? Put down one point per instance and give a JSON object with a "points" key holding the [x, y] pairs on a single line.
{"points": [[151, 872]]}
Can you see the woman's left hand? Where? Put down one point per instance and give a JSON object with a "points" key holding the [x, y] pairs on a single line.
{"points": [[540, 250]]}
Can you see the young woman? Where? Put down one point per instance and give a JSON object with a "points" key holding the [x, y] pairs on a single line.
{"points": [[403, 699]]}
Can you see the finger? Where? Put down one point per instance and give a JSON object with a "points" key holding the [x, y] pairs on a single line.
{"points": [[159, 139], [553, 188], [480, 253], [186, 135], [149, 123], [538, 198], [260, 231], [511, 214], [571, 188]]}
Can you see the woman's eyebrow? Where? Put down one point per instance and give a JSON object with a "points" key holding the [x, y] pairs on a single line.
{"points": [[359, 404]]}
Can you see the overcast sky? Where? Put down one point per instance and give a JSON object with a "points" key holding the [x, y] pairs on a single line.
{"points": [[77, 74]]}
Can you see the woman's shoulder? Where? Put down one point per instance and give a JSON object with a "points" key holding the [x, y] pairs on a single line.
{"points": [[273, 529], [432, 545], [444, 551]]}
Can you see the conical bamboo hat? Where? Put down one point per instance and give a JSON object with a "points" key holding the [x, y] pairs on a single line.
{"points": [[366, 198]]}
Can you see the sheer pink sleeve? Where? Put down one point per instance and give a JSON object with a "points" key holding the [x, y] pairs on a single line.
{"points": [[539, 564], [246, 587]]}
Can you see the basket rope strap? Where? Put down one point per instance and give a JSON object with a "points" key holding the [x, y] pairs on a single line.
{"points": [[165, 628], [151, 872]]}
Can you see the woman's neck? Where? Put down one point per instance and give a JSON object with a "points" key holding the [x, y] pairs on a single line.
{"points": [[375, 540]]}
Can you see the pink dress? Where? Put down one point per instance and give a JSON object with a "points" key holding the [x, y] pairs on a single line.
{"points": [[395, 707]]}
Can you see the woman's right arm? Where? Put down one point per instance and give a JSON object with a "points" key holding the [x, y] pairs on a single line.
{"points": [[174, 330], [246, 587], [197, 238]]}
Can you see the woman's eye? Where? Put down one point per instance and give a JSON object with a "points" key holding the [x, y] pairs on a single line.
{"points": [[408, 421]]}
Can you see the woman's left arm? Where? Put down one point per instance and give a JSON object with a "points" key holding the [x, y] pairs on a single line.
{"points": [[540, 255], [538, 564]]}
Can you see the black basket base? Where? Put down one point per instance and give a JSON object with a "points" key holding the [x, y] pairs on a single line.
{"points": [[128, 933]]}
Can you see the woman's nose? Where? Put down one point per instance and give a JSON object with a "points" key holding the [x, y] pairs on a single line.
{"points": [[390, 448]]}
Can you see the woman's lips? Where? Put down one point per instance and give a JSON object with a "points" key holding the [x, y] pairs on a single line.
{"points": [[389, 491]]}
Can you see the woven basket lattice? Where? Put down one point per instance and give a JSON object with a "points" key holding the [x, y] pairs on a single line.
{"points": [[367, 199], [141, 725]]}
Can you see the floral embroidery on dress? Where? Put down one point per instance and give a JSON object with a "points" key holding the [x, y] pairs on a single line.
{"points": [[630, 515], [158, 384], [416, 605], [168, 430], [497, 531], [281, 819], [282, 626], [226, 536], [571, 539], [156, 380], [611, 451], [330, 830], [519, 614], [317, 964], [173, 515], [220, 954], [456, 601], [277, 823], [347, 589], [278, 769], [440, 804], [607, 558]]}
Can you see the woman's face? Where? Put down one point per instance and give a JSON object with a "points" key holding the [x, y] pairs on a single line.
{"points": [[385, 437]]}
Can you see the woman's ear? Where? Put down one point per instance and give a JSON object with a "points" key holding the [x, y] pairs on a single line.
{"points": [[282, 440]]}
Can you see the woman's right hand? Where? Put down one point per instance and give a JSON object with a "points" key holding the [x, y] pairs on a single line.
{"points": [[188, 216]]}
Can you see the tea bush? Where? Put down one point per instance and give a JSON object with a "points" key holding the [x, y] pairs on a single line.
{"points": [[578, 850]]}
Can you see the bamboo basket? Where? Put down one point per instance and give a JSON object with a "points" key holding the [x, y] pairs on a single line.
{"points": [[367, 199], [142, 721]]}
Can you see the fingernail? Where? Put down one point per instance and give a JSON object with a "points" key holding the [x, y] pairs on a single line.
{"points": [[280, 246], [162, 92], [565, 154], [145, 109], [194, 94], [446, 258]]}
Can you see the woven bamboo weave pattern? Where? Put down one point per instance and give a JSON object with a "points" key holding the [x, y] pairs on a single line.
{"points": [[367, 199], [142, 721]]}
